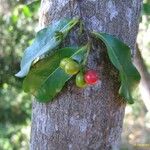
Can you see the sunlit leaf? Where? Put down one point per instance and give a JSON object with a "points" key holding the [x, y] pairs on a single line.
{"points": [[26, 11], [15, 15], [45, 42], [34, 6]]}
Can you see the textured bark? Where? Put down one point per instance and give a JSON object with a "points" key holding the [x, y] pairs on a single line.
{"points": [[90, 118]]}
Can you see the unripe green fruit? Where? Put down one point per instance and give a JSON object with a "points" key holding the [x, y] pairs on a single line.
{"points": [[72, 67], [64, 62], [80, 80]]}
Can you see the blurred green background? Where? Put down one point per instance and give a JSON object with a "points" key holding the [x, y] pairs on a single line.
{"points": [[18, 24]]}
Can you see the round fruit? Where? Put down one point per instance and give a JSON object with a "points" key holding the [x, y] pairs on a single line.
{"points": [[72, 67], [64, 62], [91, 77], [80, 82]]}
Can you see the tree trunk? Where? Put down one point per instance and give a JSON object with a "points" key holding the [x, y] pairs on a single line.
{"points": [[90, 118]]}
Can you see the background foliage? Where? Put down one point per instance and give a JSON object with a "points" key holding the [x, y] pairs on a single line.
{"points": [[17, 28], [18, 23]]}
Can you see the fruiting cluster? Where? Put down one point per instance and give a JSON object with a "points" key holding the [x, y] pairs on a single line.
{"points": [[83, 79]]}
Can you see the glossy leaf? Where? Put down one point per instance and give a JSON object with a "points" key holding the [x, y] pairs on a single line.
{"points": [[45, 41], [46, 78], [120, 56], [26, 11]]}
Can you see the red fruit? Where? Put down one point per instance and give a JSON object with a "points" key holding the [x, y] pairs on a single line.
{"points": [[91, 77]]}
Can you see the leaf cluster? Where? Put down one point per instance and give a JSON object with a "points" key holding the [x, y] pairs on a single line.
{"points": [[45, 79]]}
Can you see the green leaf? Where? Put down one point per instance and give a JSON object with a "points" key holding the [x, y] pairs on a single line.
{"points": [[45, 42], [26, 11], [120, 56], [34, 6], [146, 9], [15, 14], [46, 78]]}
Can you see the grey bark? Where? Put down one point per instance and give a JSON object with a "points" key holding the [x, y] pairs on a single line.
{"points": [[92, 118]]}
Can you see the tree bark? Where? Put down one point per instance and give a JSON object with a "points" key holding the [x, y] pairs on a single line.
{"points": [[91, 118]]}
